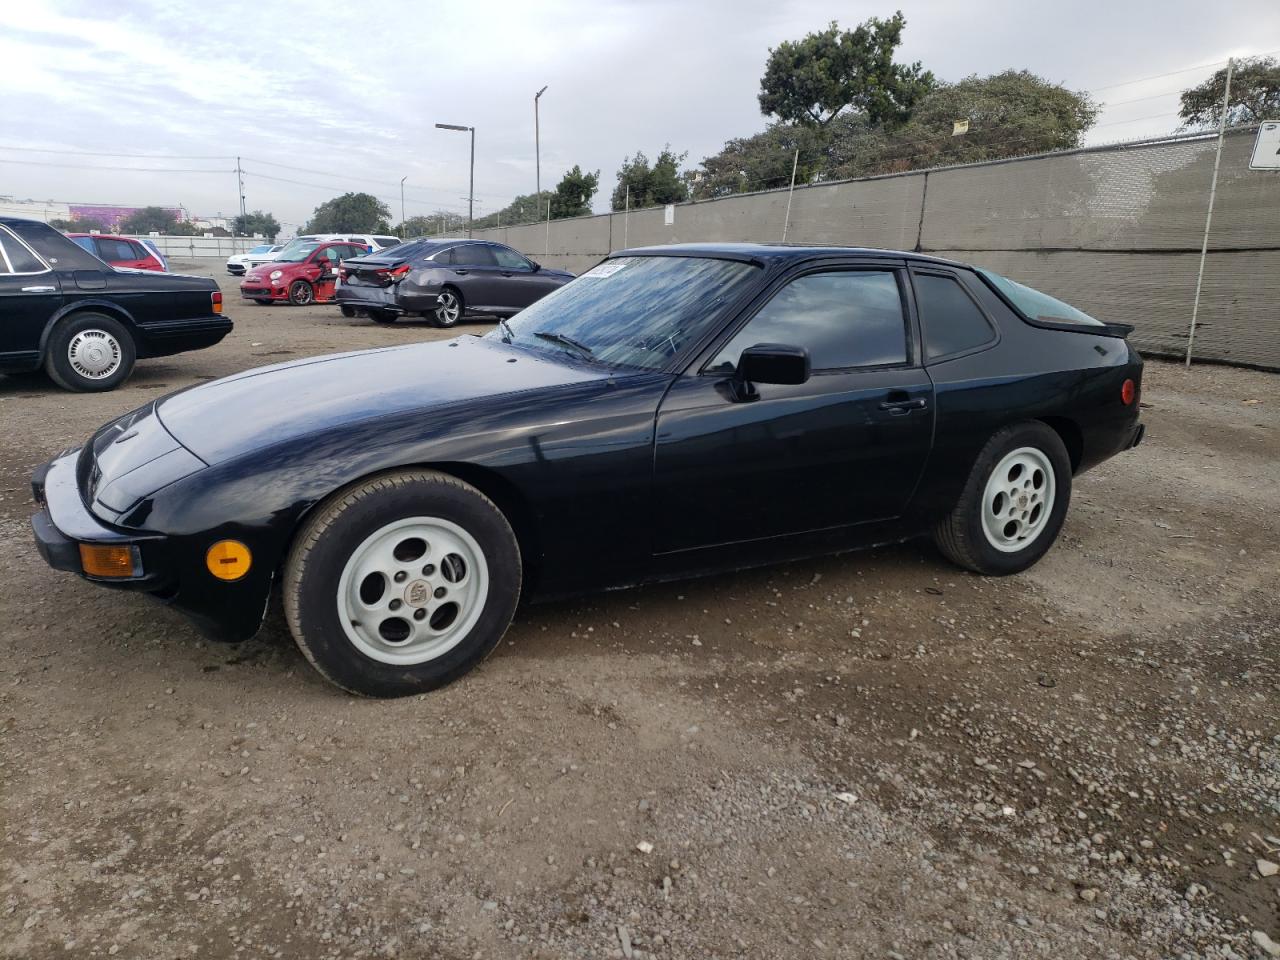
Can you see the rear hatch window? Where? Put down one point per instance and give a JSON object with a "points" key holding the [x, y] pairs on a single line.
{"points": [[1040, 307]]}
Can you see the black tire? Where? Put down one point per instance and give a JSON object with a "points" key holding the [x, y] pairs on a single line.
{"points": [[382, 316], [348, 310], [301, 293], [93, 333], [335, 532], [961, 534], [443, 316]]}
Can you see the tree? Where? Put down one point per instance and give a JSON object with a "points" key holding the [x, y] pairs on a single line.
{"points": [[572, 197], [761, 162], [79, 225], [440, 223], [246, 225], [1255, 95], [813, 80], [351, 213], [150, 220], [1010, 114], [650, 186]]}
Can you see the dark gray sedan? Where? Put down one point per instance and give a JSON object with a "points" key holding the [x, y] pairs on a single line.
{"points": [[443, 280]]}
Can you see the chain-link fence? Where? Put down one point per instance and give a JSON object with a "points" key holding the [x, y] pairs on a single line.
{"points": [[1114, 230]]}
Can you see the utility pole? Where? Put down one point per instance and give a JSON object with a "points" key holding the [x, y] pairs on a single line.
{"points": [[626, 215], [787, 223], [471, 196], [1208, 217], [402, 180], [240, 181], [537, 144]]}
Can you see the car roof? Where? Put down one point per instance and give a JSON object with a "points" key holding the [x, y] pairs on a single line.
{"points": [[763, 253], [105, 236]]}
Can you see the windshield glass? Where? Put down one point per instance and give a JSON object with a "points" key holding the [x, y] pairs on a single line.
{"points": [[297, 252], [1039, 306], [632, 311]]}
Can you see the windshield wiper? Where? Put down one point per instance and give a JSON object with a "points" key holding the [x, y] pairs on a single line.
{"points": [[567, 341], [508, 336]]}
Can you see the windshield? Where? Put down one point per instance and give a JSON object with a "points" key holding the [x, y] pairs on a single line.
{"points": [[261, 248], [297, 252], [632, 311], [1035, 305]]}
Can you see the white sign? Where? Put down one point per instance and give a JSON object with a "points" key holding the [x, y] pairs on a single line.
{"points": [[1266, 149], [606, 269], [669, 214]]}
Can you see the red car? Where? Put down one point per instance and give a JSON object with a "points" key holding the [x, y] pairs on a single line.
{"points": [[121, 251], [302, 273]]}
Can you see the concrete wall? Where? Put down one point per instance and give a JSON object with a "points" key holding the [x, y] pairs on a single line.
{"points": [[1115, 231]]}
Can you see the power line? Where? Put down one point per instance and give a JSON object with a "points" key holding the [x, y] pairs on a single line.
{"points": [[324, 186], [1174, 73], [132, 156], [92, 166]]}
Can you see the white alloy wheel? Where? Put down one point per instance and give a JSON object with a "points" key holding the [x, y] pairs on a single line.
{"points": [[94, 354], [413, 590], [1018, 499]]}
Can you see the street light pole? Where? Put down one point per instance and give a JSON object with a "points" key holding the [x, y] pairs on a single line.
{"points": [[537, 143], [471, 193], [402, 180]]}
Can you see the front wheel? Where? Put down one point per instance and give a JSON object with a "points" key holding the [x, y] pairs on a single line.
{"points": [[401, 583], [90, 352], [301, 293], [1013, 505]]}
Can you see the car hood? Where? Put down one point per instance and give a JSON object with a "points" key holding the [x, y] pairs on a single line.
{"points": [[250, 411]]}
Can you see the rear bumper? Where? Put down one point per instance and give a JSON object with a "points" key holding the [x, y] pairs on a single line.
{"points": [[365, 297], [1139, 432], [177, 336]]}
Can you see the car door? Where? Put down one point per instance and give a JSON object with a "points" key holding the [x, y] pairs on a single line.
{"points": [[475, 272], [738, 462], [29, 295], [519, 284]]}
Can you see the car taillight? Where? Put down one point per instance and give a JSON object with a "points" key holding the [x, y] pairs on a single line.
{"points": [[1128, 390], [400, 272], [217, 301]]}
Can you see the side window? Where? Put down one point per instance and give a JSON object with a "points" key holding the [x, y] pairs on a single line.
{"points": [[113, 251], [86, 242], [445, 258], [20, 259], [952, 321], [138, 250], [846, 318], [4, 258], [508, 259], [474, 255]]}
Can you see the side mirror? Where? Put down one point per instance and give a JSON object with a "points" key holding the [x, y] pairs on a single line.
{"points": [[536, 266], [773, 363]]}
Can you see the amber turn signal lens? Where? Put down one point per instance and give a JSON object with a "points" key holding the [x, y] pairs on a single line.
{"points": [[217, 302], [228, 559], [98, 561], [1128, 390]]}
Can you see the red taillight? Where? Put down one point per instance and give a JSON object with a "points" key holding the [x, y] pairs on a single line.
{"points": [[1128, 390], [217, 301], [400, 272]]}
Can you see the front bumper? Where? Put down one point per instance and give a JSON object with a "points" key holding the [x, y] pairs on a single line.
{"points": [[63, 524], [263, 291], [171, 569]]}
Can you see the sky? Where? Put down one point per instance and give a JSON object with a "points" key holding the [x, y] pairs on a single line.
{"points": [[321, 97]]}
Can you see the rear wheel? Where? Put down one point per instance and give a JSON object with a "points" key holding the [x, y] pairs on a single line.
{"points": [[348, 311], [301, 293], [402, 583], [382, 316], [1013, 505], [90, 352], [449, 308]]}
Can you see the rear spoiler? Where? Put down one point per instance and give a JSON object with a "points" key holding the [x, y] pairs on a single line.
{"points": [[1120, 330]]}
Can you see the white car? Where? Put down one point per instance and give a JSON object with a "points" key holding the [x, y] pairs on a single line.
{"points": [[239, 263]]}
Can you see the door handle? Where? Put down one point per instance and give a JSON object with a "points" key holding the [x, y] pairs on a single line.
{"points": [[899, 407], [39, 289], [461, 273], [506, 273]]}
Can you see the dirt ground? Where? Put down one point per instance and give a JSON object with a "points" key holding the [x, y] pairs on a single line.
{"points": [[874, 755]]}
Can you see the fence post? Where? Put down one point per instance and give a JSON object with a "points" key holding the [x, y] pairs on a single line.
{"points": [[1208, 217]]}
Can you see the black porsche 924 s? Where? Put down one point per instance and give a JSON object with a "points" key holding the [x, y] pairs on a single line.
{"points": [[84, 321], [675, 410]]}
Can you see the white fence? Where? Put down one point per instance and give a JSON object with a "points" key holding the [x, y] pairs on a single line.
{"points": [[199, 248]]}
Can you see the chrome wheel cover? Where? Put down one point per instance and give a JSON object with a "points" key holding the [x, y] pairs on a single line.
{"points": [[94, 354], [1018, 499], [413, 590]]}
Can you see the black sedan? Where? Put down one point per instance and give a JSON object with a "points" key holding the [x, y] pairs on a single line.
{"points": [[675, 410], [444, 280], [84, 321]]}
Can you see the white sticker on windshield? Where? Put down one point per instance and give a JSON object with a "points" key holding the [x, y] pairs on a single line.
{"points": [[604, 269]]}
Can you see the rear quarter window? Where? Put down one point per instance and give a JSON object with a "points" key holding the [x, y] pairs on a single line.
{"points": [[953, 323], [1039, 307]]}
